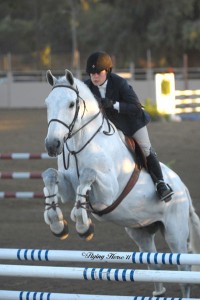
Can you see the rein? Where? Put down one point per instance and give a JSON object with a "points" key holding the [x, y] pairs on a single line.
{"points": [[76, 152]]}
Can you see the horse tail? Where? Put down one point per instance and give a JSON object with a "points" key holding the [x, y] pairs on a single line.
{"points": [[194, 225]]}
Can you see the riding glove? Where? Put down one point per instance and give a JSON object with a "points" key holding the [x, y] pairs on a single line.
{"points": [[107, 103]]}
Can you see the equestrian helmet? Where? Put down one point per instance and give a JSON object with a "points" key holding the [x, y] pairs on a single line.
{"points": [[98, 62]]}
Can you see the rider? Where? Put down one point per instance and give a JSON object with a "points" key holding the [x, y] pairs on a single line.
{"points": [[123, 108]]}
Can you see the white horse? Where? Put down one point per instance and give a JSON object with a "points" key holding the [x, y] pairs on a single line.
{"points": [[94, 167]]}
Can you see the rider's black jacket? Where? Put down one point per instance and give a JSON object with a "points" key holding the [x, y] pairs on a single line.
{"points": [[131, 115]]}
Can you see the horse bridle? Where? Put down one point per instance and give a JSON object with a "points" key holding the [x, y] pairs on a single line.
{"points": [[71, 126]]}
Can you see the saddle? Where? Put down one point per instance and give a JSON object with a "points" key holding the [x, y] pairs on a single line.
{"points": [[136, 151]]}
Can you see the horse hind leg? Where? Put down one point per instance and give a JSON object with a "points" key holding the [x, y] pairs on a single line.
{"points": [[79, 214], [194, 239], [176, 234], [144, 239], [53, 215]]}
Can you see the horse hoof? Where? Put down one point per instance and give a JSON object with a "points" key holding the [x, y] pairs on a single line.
{"points": [[160, 293], [88, 235], [64, 233]]}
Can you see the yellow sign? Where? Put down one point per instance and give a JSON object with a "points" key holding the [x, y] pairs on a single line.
{"points": [[165, 93], [45, 56]]}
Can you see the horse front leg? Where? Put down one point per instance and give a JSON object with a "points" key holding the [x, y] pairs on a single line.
{"points": [[53, 215], [79, 213]]}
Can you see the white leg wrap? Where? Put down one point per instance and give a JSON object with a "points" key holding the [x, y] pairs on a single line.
{"points": [[79, 214], [53, 215]]}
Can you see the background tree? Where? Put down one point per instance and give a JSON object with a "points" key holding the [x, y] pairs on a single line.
{"points": [[127, 29]]}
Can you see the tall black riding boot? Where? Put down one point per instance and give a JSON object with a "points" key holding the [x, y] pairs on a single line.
{"points": [[164, 191]]}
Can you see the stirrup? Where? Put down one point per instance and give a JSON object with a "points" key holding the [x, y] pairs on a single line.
{"points": [[165, 193]]}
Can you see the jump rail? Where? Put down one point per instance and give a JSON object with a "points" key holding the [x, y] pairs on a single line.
{"points": [[104, 274], [24, 295], [20, 175], [187, 101], [21, 195], [99, 256], [24, 156]]}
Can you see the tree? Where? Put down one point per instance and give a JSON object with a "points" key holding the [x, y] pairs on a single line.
{"points": [[124, 28]]}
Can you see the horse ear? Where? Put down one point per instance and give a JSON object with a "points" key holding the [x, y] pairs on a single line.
{"points": [[50, 78], [69, 77]]}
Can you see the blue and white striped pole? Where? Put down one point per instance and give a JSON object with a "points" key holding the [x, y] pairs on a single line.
{"points": [[100, 256], [24, 295], [105, 274]]}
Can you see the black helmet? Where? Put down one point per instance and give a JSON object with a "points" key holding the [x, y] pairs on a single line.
{"points": [[98, 62]]}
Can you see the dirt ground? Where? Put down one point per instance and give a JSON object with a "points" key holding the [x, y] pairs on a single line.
{"points": [[22, 224]]}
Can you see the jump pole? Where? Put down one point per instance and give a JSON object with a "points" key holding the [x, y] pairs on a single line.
{"points": [[21, 195], [24, 295], [105, 274], [24, 156], [20, 175], [100, 256]]}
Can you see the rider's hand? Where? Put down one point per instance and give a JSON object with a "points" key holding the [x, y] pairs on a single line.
{"points": [[107, 103]]}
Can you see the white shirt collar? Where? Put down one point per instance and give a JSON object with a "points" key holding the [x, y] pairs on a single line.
{"points": [[102, 89]]}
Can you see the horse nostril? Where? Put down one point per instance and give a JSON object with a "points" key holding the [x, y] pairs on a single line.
{"points": [[58, 144]]}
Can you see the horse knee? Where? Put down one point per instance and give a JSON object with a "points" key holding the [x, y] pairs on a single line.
{"points": [[87, 176], [49, 177]]}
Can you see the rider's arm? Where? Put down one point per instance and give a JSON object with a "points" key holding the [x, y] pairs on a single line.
{"points": [[128, 100]]}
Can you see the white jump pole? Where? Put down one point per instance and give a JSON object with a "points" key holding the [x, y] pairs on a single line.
{"points": [[20, 175], [24, 156], [21, 195], [100, 256], [24, 295], [105, 274]]}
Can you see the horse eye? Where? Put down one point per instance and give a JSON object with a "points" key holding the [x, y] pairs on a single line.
{"points": [[71, 105]]}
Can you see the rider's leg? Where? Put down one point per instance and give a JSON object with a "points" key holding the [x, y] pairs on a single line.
{"points": [[164, 190]]}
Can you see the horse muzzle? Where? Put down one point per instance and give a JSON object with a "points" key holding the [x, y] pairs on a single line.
{"points": [[54, 147]]}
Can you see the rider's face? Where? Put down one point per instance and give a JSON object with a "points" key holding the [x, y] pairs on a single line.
{"points": [[98, 78]]}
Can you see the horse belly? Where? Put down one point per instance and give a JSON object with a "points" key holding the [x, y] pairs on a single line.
{"points": [[138, 209]]}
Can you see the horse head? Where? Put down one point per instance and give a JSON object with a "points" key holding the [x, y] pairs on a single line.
{"points": [[62, 111]]}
